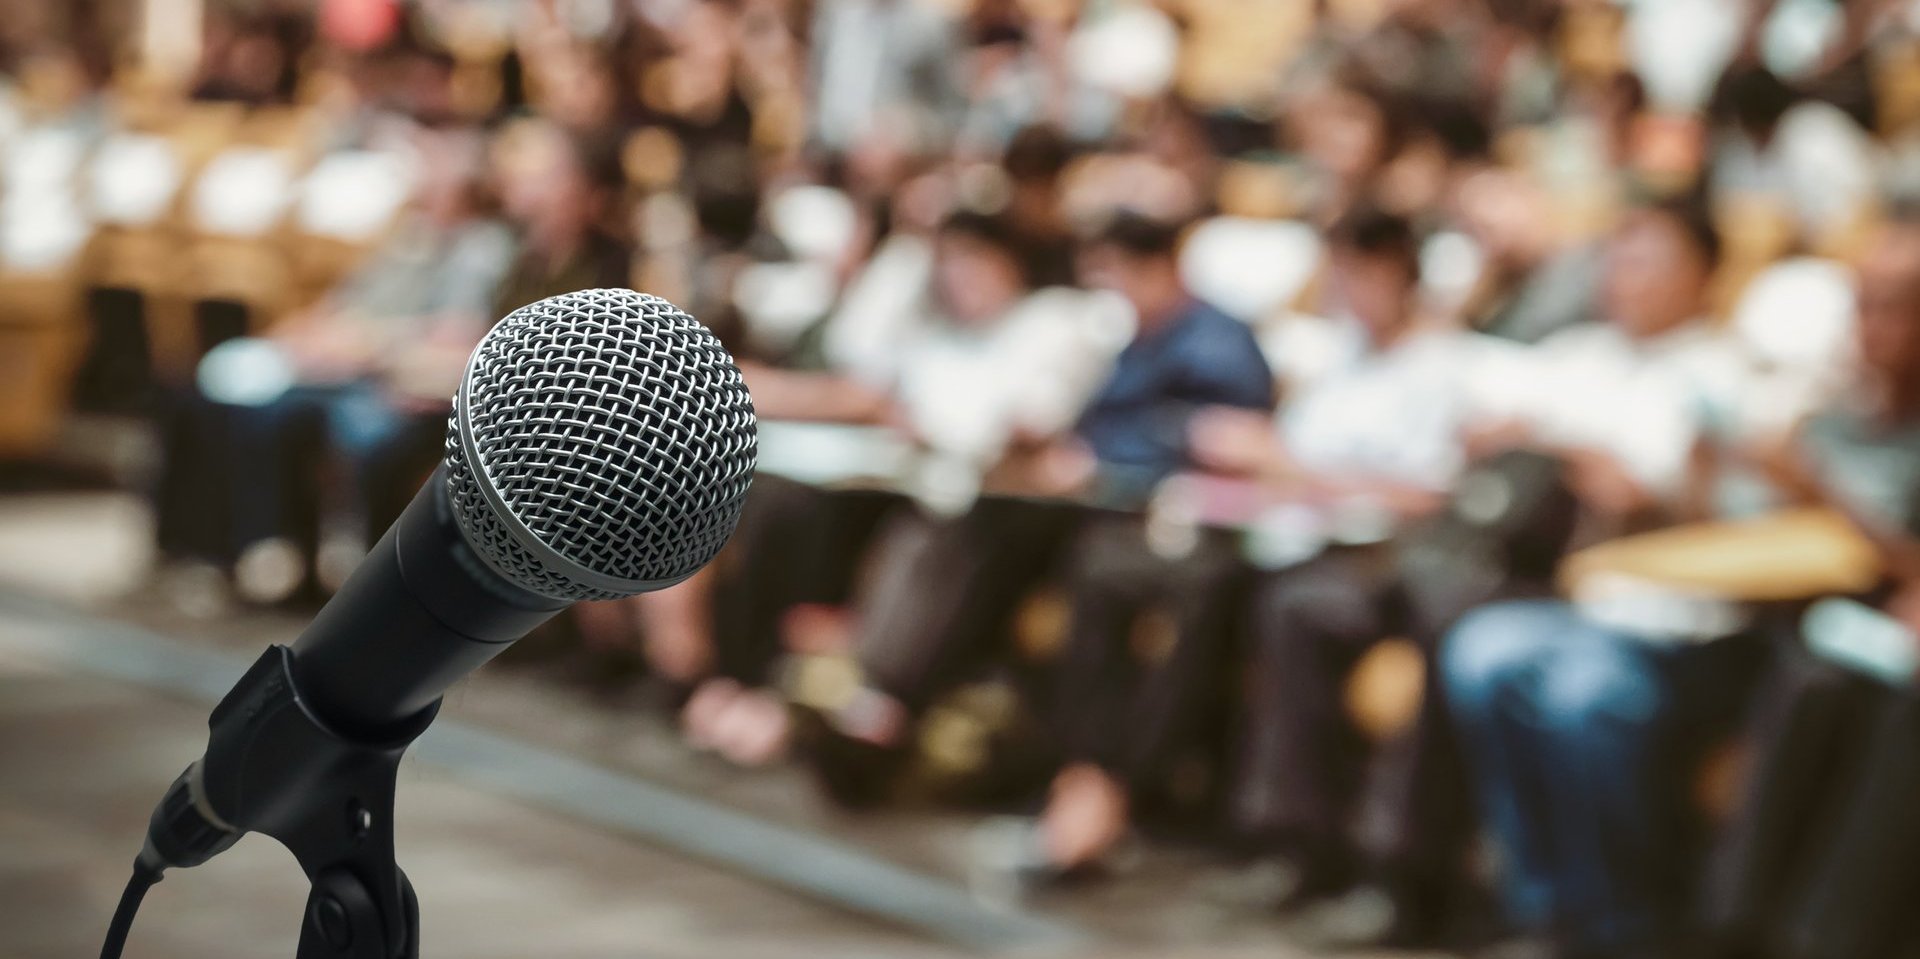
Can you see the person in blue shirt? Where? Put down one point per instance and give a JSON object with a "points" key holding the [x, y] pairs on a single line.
{"points": [[946, 588], [1186, 355], [1142, 652]]}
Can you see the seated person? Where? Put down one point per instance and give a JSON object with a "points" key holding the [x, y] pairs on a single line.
{"points": [[562, 194], [718, 635], [1378, 436], [378, 356], [1534, 281], [977, 360], [1818, 860], [947, 586], [1578, 731]]}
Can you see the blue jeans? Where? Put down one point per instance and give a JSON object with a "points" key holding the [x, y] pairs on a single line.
{"points": [[1581, 738]]}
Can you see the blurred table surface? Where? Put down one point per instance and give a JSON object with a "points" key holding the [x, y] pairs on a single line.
{"points": [[1277, 527]]}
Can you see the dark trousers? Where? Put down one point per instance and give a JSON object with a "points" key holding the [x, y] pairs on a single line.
{"points": [[232, 476], [943, 591], [1148, 635], [1822, 858], [1583, 740], [237, 474], [794, 544], [1306, 777]]}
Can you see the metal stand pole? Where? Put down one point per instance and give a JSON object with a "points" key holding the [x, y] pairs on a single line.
{"points": [[272, 767]]}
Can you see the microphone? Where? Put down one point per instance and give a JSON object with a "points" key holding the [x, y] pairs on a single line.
{"points": [[600, 445]]}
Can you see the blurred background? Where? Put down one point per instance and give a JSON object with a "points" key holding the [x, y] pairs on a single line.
{"points": [[1237, 477]]}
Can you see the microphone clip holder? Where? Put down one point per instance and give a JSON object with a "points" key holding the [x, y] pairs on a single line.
{"points": [[272, 767]]}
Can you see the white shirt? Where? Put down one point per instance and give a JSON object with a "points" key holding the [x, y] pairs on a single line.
{"points": [[1819, 162], [966, 390], [1395, 414], [880, 310], [1646, 403]]}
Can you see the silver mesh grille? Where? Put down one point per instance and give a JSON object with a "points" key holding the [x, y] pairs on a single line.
{"points": [[615, 429]]}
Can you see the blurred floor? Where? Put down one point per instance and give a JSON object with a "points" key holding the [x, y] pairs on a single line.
{"points": [[81, 759], [495, 879], [86, 548]]}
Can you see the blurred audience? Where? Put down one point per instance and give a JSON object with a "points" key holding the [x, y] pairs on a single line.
{"points": [[1376, 441], [1575, 725], [1337, 429], [373, 360], [1815, 860], [949, 577]]}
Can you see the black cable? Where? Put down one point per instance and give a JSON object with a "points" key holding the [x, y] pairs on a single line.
{"points": [[143, 878]]}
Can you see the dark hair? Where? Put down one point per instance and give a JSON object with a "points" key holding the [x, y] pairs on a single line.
{"points": [[1037, 152], [1627, 85], [1396, 107], [1462, 128], [1136, 234], [1752, 97], [987, 228], [1371, 231], [598, 158], [1691, 215], [1536, 18], [726, 200]]}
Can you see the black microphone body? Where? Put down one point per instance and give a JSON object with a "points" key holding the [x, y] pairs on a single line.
{"points": [[420, 612], [601, 445]]}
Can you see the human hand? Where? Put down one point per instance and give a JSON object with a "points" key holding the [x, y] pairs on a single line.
{"points": [[1234, 441], [328, 350], [1603, 483], [1496, 436]]}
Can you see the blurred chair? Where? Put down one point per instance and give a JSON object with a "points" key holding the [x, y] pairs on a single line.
{"points": [[39, 347], [237, 270], [1756, 230], [345, 205], [238, 276], [137, 271], [1235, 50], [43, 232], [1896, 83], [1693, 570], [133, 184]]}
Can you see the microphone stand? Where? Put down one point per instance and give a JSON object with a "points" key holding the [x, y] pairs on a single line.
{"points": [[325, 795]]}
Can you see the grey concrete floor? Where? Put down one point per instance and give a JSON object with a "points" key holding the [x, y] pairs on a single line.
{"points": [[79, 760], [82, 759]]}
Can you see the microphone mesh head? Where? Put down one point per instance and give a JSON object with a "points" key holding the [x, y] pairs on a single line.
{"points": [[601, 446]]}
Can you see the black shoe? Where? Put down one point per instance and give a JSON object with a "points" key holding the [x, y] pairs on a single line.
{"points": [[854, 773]]}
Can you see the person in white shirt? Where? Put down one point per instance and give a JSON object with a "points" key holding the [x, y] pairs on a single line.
{"points": [[1626, 401], [1379, 431], [968, 361], [946, 590], [1579, 731], [992, 360]]}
